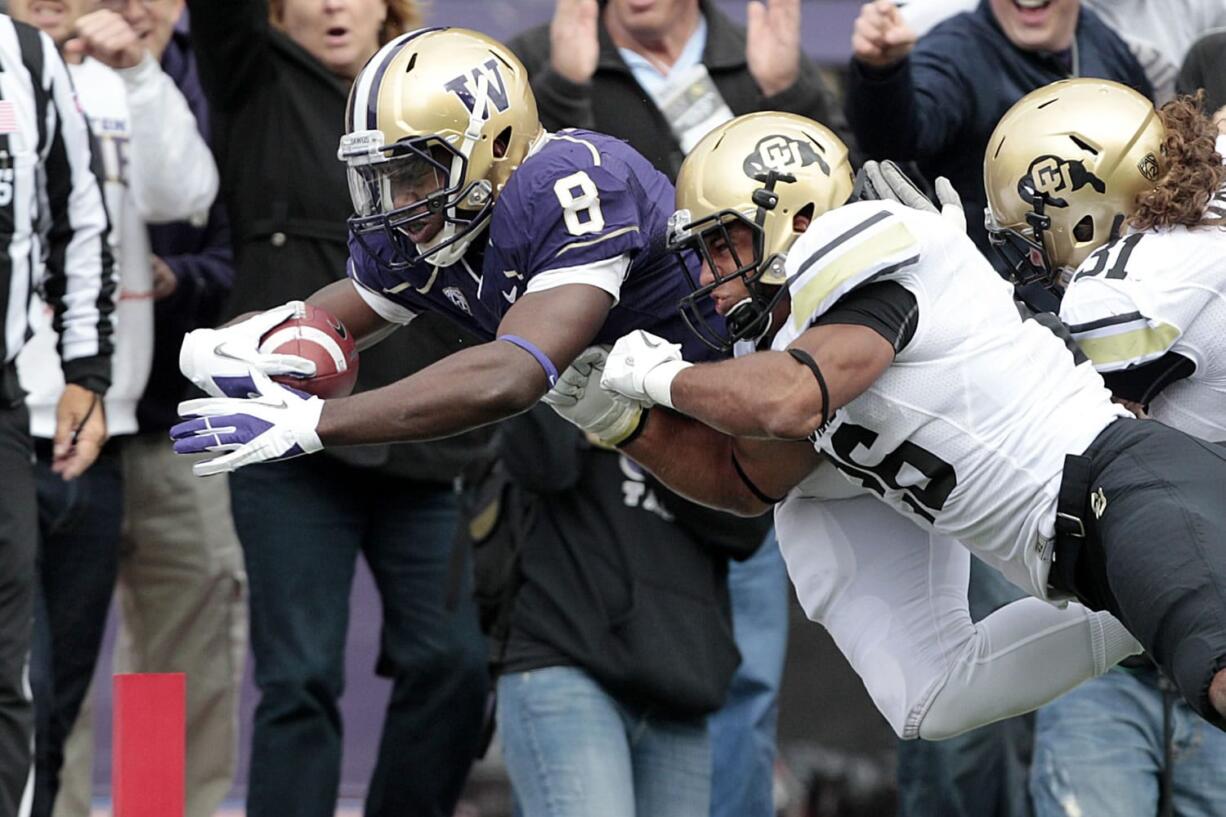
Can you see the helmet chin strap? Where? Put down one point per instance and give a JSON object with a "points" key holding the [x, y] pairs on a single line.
{"points": [[472, 135], [743, 315]]}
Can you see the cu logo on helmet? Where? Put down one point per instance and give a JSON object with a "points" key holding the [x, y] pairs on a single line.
{"points": [[781, 154], [1050, 175]]}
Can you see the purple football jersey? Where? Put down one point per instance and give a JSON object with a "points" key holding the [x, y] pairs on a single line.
{"points": [[580, 198]]}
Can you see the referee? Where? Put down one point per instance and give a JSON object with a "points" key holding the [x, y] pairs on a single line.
{"points": [[53, 227]]}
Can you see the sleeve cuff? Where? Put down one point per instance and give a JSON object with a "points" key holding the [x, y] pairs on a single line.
{"points": [[93, 373]]}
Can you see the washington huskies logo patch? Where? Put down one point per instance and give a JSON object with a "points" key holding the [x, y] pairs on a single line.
{"points": [[1051, 175], [468, 86], [781, 154], [456, 297]]}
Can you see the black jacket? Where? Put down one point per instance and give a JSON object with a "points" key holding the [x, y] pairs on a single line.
{"points": [[619, 576], [940, 105], [278, 115], [1205, 67], [626, 111]]}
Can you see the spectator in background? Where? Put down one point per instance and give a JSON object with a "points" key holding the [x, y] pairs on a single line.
{"points": [[54, 211], [937, 100], [179, 554], [277, 78], [182, 590], [1205, 67], [619, 638], [660, 75], [1159, 34], [157, 168]]}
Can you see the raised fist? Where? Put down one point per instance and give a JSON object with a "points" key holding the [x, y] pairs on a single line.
{"points": [[881, 37]]}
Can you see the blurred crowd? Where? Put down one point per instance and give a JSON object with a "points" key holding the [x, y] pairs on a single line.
{"points": [[215, 126]]}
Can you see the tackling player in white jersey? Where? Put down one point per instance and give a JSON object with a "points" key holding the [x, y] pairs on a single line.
{"points": [[902, 357], [892, 594]]}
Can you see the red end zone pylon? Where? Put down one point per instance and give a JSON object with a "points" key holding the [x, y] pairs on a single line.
{"points": [[149, 745]]}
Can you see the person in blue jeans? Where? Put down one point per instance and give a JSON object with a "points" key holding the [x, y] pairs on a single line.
{"points": [[619, 639], [1126, 744]]}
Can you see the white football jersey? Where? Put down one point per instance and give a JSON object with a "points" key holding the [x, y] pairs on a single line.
{"points": [[967, 430], [1151, 293]]}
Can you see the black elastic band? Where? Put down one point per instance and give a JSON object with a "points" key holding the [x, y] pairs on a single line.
{"points": [[638, 429], [806, 359], [754, 489]]}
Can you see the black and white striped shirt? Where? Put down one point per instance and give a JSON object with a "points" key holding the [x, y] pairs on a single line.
{"points": [[52, 214]]}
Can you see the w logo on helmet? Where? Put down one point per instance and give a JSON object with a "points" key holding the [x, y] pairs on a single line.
{"points": [[1050, 175], [469, 86], [781, 154]]}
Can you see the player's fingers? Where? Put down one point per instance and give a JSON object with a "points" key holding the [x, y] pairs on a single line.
{"points": [[279, 364]]}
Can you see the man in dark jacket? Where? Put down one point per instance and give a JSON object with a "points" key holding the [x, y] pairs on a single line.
{"points": [[937, 100], [623, 71]]}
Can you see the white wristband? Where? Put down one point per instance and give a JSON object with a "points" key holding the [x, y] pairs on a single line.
{"points": [[658, 384]]}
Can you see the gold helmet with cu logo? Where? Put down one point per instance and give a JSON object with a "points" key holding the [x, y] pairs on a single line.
{"points": [[760, 171], [447, 111], [1063, 171]]}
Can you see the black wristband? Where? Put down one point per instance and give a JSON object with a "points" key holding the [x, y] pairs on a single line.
{"points": [[806, 359], [754, 489], [638, 430]]}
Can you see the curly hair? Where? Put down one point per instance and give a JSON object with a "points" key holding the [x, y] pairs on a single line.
{"points": [[402, 16], [1194, 170]]}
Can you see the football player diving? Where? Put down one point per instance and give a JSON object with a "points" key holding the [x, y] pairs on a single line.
{"points": [[544, 243], [898, 352], [893, 595]]}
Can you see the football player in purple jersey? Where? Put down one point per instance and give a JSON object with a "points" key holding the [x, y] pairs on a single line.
{"points": [[544, 243]]}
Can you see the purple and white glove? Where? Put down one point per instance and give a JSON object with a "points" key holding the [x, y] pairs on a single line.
{"points": [[220, 361], [276, 423]]}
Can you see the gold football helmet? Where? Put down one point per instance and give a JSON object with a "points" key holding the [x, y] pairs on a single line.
{"points": [[437, 121], [760, 170], [1063, 170]]}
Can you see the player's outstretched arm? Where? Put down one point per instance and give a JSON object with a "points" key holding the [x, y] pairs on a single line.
{"points": [[479, 385], [777, 395]]}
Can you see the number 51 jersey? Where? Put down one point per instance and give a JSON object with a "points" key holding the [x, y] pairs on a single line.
{"points": [[967, 430]]}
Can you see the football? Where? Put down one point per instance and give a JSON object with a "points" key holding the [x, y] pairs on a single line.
{"points": [[316, 335]]}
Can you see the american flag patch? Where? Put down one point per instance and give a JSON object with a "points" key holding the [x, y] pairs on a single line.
{"points": [[8, 117]]}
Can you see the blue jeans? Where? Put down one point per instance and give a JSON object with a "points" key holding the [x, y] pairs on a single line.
{"points": [[1099, 750], [573, 750], [743, 731], [78, 559], [981, 773], [302, 524]]}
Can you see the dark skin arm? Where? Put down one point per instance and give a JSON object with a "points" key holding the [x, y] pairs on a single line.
{"points": [[341, 300], [696, 461], [770, 402], [475, 386], [770, 395]]}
